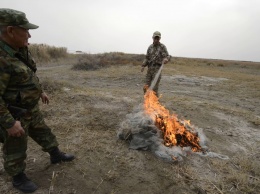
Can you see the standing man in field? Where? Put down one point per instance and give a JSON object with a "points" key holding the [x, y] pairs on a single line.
{"points": [[20, 92], [157, 55]]}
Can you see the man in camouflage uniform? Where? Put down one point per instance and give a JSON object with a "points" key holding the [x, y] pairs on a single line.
{"points": [[20, 92], [157, 55]]}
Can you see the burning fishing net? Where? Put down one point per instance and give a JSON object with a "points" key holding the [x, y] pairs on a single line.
{"points": [[152, 127], [174, 131]]}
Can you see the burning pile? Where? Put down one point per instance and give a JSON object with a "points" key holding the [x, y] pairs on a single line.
{"points": [[151, 127], [174, 132]]}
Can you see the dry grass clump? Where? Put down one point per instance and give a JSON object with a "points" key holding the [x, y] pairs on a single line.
{"points": [[46, 53], [119, 58], [97, 61], [87, 62]]}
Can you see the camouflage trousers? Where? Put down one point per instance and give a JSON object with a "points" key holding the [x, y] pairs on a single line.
{"points": [[14, 148], [150, 75]]}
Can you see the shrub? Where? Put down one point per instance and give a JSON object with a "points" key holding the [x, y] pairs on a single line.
{"points": [[97, 61], [87, 62]]}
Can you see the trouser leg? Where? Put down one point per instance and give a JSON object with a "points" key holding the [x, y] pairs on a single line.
{"points": [[41, 133], [156, 87], [149, 77], [151, 74], [2, 138], [14, 152]]}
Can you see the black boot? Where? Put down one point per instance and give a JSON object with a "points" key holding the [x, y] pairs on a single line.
{"points": [[22, 183], [57, 156]]}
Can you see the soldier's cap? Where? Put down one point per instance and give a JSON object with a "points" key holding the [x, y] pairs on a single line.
{"points": [[157, 33], [11, 17]]}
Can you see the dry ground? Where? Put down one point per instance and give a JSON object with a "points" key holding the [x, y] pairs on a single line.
{"points": [[87, 107]]}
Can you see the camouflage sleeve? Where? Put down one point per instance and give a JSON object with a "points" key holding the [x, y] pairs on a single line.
{"points": [[33, 65], [6, 119], [147, 57], [40, 84], [165, 53], [24, 51]]}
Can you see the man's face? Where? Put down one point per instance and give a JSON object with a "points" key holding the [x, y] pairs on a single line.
{"points": [[20, 36], [156, 39]]}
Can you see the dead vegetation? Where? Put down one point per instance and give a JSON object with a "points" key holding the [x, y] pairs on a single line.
{"points": [[44, 53], [87, 107], [97, 61]]}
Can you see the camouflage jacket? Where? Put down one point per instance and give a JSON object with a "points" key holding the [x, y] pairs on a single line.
{"points": [[155, 54], [27, 56], [19, 86]]}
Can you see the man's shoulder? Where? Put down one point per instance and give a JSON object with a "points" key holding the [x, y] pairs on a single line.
{"points": [[4, 56], [3, 53], [4, 65], [150, 46], [6, 50], [162, 45], [6, 60]]}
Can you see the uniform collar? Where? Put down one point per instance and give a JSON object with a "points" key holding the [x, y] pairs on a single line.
{"points": [[157, 44], [4, 46]]}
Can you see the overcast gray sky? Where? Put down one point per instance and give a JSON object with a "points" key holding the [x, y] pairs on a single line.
{"points": [[219, 29]]}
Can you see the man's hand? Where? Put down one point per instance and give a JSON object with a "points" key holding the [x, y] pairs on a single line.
{"points": [[16, 130], [45, 98], [165, 60], [142, 69]]}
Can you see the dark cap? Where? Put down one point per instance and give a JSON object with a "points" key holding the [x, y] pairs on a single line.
{"points": [[11, 17]]}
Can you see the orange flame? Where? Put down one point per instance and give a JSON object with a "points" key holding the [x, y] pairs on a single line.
{"points": [[175, 132]]}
